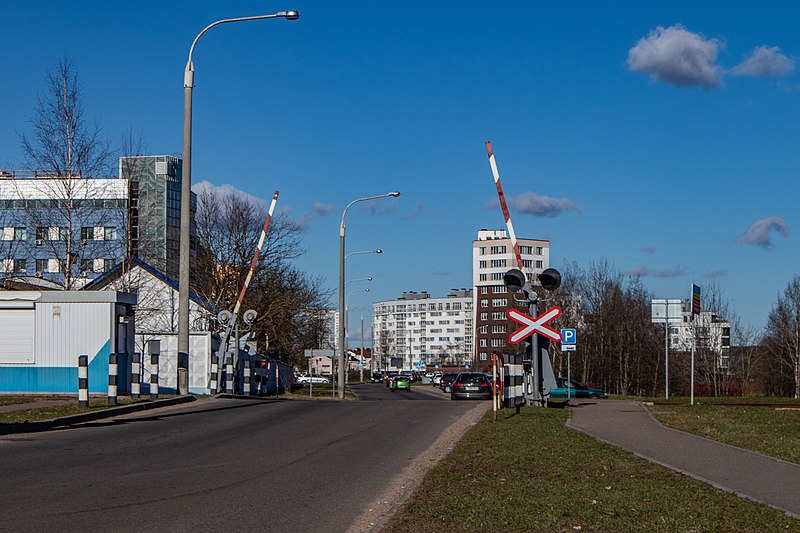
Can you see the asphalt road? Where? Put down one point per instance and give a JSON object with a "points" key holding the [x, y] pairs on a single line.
{"points": [[223, 464]]}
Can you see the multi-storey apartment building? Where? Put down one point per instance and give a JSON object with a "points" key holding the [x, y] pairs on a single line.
{"points": [[492, 256], [711, 333], [416, 330]]}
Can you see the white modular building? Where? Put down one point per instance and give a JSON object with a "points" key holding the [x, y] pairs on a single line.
{"points": [[45, 332]]}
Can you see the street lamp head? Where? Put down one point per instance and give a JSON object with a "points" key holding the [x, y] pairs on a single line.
{"points": [[369, 278], [290, 15], [378, 251], [395, 194]]}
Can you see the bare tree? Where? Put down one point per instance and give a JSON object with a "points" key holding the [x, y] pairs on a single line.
{"points": [[69, 149], [783, 341], [228, 229]]}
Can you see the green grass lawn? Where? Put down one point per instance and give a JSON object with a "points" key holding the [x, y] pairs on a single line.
{"points": [[56, 410], [762, 429], [528, 472]]}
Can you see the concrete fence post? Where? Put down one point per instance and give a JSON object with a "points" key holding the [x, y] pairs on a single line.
{"points": [[213, 384], [154, 347], [229, 373], [83, 381], [113, 371], [136, 376], [246, 377]]}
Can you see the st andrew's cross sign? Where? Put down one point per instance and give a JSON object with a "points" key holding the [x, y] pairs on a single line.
{"points": [[534, 325]]}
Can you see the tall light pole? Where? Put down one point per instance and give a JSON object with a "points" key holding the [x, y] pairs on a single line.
{"points": [[341, 284], [186, 199]]}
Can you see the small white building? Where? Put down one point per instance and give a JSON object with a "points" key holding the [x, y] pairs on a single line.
{"points": [[710, 331], [157, 319], [44, 333]]}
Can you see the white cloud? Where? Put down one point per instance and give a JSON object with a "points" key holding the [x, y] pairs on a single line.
{"points": [[638, 272], [760, 233], [225, 190], [764, 61], [530, 203], [677, 56], [670, 272], [323, 209]]}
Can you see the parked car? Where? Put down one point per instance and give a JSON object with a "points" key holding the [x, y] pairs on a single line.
{"points": [[578, 390], [400, 381], [471, 386], [446, 381], [313, 378], [437, 377], [377, 377]]}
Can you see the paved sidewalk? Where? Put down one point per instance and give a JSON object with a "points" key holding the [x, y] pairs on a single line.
{"points": [[629, 425]]}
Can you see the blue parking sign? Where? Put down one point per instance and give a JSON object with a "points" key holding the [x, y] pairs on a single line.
{"points": [[568, 336]]}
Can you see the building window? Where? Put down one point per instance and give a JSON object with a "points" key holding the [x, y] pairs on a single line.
{"points": [[20, 234], [527, 263], [484, 316], [87, 234], [498, 263], [527, 250], [499, 289], [19, 266], [484, 357], [484, 303], [41, 266], [498, 250], [42, 234], [499, 302], [497, 343], [484, 290], [498, 328], [497, 276], [482, 277], [539, 250], [482, 264], [482, 343], [498, 315], [482, 250], [483, 329], [539, 264], [108, 264]]}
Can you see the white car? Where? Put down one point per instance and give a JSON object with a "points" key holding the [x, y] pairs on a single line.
{"points": [[313, 378]]}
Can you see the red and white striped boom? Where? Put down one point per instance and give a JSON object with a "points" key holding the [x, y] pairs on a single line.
{"points": [[503, 205], [255, 257]]}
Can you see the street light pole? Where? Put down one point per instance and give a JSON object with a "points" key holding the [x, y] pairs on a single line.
{"points": [[186, 199], [341, 285]]}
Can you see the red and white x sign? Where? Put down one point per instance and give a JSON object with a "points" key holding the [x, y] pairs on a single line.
{"points": [[533, 325]]}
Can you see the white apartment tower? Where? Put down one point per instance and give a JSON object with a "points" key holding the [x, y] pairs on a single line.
{"points": [[416, 330], [492, 256]]}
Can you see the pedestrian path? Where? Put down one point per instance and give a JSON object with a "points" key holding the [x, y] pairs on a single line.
{"points": [[630, 426]]}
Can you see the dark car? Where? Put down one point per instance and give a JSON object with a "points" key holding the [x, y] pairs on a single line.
{"points": [[471, 386], [576, 390], [377, 377], [446, 382]]}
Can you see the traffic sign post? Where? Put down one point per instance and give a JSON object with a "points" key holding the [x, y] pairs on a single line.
{"points": [[569, 344]]}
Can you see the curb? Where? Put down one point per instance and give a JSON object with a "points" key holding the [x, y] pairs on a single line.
{"points": [[65, 421]]}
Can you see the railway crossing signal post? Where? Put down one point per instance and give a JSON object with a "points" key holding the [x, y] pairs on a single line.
{"points": [[534, 326]]}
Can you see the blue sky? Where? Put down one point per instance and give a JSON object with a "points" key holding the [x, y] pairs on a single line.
{"points": [[661, 137]]}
